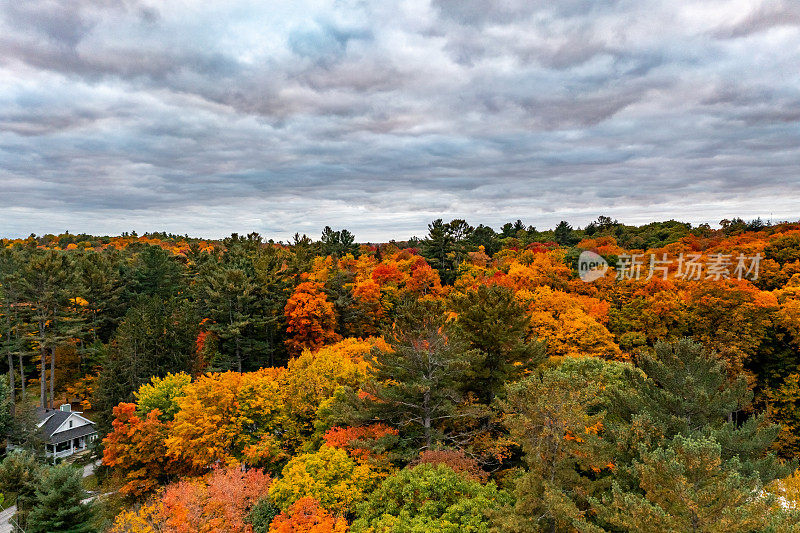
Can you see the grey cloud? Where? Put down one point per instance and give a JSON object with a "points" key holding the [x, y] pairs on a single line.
{"points": [[235, 116], [130, 64], [67, 22], [767, 15], [481, 12], [60, 24], [31, 125]]}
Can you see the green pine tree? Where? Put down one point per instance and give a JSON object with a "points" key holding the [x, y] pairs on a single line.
{"points": [[418, 382], [154, 338], [686, 391], [685, 488], [48, 278], [493, 322], [229, 295], [58, 505], [446, 245], [556, 415], [155, 272], [20, 473]]}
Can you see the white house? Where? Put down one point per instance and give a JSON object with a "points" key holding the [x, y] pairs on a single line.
{"points": [[65, 431]]}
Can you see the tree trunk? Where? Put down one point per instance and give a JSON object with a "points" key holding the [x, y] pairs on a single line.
{"points": [[43, 378], [22, 375], [52, 375], [238, 355], [427, 419], [11, 383]]}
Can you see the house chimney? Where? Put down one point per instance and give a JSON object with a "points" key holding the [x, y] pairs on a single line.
{"points": [[66, 407]]}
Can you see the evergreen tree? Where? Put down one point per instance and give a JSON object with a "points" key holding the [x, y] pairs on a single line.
{"points": [[99, 284], [275, 282], [48, 279], [12, 326], [686, 391], [446, 245], [351, 319], [437, 246], [20, 474], [681, 451], [229, 296], [153, 339], [486, 237], [512, 229], [25, 431], [338, 243], [6, 408], [556, 415], [493, 322], [155, 273], [683, 488], [418, 382], [58, 504], [262, 514], [564, 234]]}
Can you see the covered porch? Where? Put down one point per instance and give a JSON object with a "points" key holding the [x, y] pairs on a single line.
{"points": [[70, 442]]}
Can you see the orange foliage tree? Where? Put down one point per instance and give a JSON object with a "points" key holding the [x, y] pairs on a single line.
{"points": [[220, 501], [307, 516], [365, 444], [570, 324], [310, 318]]}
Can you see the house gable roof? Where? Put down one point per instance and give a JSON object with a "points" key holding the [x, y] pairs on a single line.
{"points": [[51, 420]]}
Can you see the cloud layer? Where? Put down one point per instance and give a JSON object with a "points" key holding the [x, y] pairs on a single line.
{"points": [[206, 117]]}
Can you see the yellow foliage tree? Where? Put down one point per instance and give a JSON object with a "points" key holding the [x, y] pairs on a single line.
{"points": [[313, 378], [329, 476], [566, 323], [222, 414]]}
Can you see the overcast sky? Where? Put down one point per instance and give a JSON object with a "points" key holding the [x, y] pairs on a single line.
{"points": [[206, 117]]}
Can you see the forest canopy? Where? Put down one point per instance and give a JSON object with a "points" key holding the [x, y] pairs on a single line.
{"points": [[250, 385]]}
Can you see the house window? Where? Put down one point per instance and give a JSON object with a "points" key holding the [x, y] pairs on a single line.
{"points": [[70, 423]]}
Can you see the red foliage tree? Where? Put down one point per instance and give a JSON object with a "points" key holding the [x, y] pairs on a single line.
{"points": [[136, 449]]}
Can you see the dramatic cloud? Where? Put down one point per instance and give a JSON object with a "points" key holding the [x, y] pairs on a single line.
{"points": [[207, 117]]}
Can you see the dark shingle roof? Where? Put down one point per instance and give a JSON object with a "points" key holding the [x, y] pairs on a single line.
{"points": [[56, 418], [74, 433]]}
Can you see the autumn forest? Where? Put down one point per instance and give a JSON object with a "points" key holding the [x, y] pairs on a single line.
{"points": [[477, 379]]}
